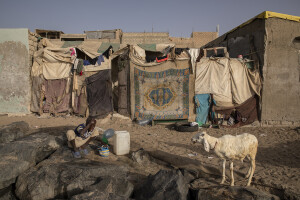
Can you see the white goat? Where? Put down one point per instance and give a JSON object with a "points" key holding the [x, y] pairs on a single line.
{"points": [[231, 148]]}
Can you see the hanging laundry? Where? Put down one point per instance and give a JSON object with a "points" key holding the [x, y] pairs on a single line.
{"points": [[76, 63], [73, 52], [100, 59], [93, 61], [202, 107], [194, 53], [79, 66], [161, 59], [86, 62]]}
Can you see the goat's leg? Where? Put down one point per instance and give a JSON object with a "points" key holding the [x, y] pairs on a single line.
{"points": [[223, 172], [249, 171], [252, 171], [231, 173]]}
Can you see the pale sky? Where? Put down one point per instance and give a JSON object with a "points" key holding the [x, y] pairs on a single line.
{"points": [[179, 18]]}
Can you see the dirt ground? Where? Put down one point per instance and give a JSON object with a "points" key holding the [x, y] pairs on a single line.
{"points": [[277, 161]]}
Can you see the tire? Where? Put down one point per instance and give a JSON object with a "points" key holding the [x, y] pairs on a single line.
{"points": [[185, 127]]}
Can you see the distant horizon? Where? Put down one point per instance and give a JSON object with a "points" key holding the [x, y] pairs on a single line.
{"points": [[175, 17]]}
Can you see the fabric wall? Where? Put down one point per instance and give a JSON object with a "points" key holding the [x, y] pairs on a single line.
{"points": [[99, 93], [57, 94], [228, 79], [161, 92]]}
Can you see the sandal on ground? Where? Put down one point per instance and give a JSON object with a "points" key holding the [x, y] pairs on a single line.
{"points": [[76, 154]]}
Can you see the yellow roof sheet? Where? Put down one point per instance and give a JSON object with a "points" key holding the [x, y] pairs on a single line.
{"points": [[266, 15]]}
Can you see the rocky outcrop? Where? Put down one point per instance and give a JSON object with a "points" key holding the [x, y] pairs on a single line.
{"points": [[18, 156], [7, 194], [13, 131], [164, 185], [44, 168], [62, 176]]}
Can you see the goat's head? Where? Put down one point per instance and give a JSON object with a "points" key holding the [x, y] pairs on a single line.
{"points": [[198, 137], [201, 138]]}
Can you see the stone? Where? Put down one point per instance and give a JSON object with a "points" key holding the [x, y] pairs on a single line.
{"points": [[96, 195], [163, 185], [62, 176], [234, 192], [7, 194], [141, 156], [18, 156], [13, 131]]}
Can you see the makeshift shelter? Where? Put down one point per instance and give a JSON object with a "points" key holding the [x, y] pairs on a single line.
{"points": [[272, 40], [226, 84], [159, 90], [55, 69], [51, 81]]}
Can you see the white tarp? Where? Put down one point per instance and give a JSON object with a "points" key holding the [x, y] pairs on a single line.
{"points": [[56, 70], [244, 83], [229, 80]]}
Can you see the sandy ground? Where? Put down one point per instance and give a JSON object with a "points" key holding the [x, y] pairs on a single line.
{"points": [[277, 161]]}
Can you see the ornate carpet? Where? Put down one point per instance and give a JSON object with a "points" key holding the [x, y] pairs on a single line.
{"points": [[160, 94]]}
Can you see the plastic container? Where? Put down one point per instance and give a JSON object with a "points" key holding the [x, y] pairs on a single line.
{"points": [[104, 151], [109, 133], [121, 142], [144, 122]]}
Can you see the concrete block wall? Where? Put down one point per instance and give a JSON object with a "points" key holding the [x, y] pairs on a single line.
{"points": [[281, 71], [182, 42], [197, 40], [15, 82], [202, 38], [145, 38]]}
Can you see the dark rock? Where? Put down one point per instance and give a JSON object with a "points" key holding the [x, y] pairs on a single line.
{"points": [[7, 194], [62, 176], [13, 131], [189, 175], [163, 185], [141, 156], [235, 192], [18, 156], [96, 195]]}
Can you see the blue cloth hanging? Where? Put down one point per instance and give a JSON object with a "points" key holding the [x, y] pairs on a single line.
{"points": [[202, 107], [100, 59], [86, 62]]}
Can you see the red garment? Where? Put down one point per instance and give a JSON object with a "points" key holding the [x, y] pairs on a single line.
{"points": [[161, 60]]}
